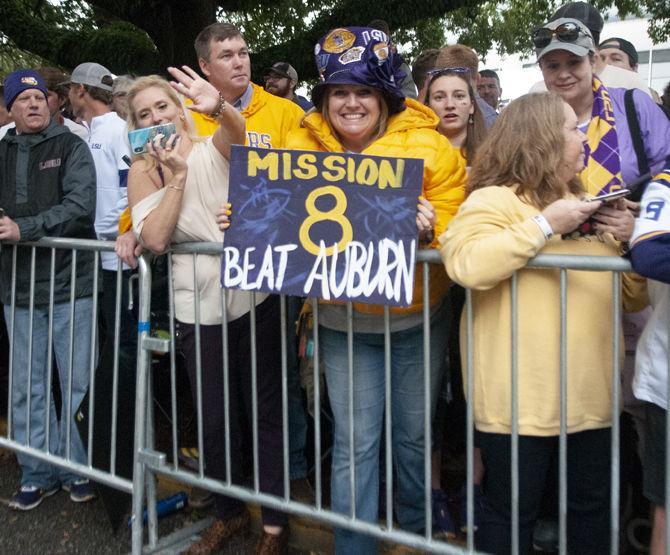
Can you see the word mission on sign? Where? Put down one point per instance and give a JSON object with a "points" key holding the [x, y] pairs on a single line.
{"points": [[335, 226]]}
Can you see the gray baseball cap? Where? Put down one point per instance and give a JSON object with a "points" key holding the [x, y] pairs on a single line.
{"points": [[94, 75], [581, 46]]}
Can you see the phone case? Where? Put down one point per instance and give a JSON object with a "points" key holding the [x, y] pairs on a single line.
{"points": [[138, 138]]}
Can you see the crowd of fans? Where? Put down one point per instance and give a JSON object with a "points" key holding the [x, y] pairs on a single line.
{"points": [[499, 186]]}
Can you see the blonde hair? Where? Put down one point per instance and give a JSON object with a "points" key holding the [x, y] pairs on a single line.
{"points": [[146, 82], [382, 122], [524, 148]]}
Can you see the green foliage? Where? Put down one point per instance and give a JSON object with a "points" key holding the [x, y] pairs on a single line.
{"points": [[428, 33], [146, 35], [267, 25], [121, 46], [13, 58], [659, 29]]}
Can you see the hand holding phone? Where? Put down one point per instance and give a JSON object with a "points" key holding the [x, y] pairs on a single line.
{"points": [[609, 197], [139, 138]]}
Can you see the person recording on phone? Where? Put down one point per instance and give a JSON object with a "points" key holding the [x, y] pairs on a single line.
{"points": [[174, 193], [526, 198]]}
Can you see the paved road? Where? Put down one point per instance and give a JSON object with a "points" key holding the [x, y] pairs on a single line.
{"points": [[59, 526]]}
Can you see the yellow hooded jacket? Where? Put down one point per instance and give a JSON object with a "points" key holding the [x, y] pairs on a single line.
{"points": [[409, 134]]}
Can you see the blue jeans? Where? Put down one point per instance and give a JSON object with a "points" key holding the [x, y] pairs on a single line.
{"points": [[34, 471], [297, 418], [407, 415]]}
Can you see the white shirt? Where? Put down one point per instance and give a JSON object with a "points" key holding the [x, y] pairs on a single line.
{"points": [[108, 141], [651, 362]]}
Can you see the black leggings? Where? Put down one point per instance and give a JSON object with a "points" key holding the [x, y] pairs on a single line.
{"points": [[270, 446], [588, 488]]}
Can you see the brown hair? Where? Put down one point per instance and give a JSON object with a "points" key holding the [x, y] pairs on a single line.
{"points": [[423, 63], [476, 129], [99, 94], [459, 55], [524, 148], [216, 32], [382, 122]]}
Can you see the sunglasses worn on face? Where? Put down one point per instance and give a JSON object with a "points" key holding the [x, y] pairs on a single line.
{"points": [[566, 32]]}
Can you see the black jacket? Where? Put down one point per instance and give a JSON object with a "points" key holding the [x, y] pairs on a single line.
{"points": [[47, 186]]}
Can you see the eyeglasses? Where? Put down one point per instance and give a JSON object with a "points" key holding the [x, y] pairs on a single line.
{"points": [[565, 32]]}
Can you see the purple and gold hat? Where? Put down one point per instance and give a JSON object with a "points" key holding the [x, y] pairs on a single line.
{"points": [[358, 56], [22, 80]]}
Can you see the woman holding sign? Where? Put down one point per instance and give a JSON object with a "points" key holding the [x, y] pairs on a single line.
{"points": [[174, 191], [361, 109]]}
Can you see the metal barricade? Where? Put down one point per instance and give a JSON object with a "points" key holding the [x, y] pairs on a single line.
{"points": [[41, 328], [151, 462]]}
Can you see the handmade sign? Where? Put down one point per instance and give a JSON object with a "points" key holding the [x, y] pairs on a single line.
{"points": [[331, 225]]}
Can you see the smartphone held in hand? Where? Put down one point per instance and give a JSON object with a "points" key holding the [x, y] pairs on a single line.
{"points": [[609, 197], [139, 138]]}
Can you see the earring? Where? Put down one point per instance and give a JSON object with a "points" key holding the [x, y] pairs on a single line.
{"points": [[471, 120], [182, 117]]}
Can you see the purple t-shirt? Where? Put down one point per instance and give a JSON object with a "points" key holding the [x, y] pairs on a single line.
{"points": [[655, 128]]}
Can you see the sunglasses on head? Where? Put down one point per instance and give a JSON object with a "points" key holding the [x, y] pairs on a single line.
{"points": [[439, 72], [565, 32], [463, 72]]}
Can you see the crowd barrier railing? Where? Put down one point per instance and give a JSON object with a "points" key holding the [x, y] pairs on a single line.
{"points": [[386, 529], [149, 462], [39, 329]]}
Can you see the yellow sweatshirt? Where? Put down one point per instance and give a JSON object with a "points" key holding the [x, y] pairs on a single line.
{"points": [[490, 238]]}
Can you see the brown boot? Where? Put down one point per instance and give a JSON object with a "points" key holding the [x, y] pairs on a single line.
{"points": [[215, 537], [302, 491], [273, 544]]}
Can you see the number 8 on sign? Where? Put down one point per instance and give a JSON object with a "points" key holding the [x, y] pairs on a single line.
{"points": [[335, 214]]}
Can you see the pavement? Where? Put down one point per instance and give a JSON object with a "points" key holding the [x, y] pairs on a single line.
{"points": [[59, 526]]}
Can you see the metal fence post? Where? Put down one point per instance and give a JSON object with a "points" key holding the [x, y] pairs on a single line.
{"points": [[141, 400]]}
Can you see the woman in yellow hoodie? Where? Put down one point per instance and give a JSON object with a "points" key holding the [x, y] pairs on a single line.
{"points": [[526, 198], [360, 108]]}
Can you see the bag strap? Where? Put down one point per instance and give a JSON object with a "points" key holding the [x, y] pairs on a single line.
{"points": [[635, 132]]}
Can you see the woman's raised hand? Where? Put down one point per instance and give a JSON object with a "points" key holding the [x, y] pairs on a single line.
{"points": [[203, 94]]}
